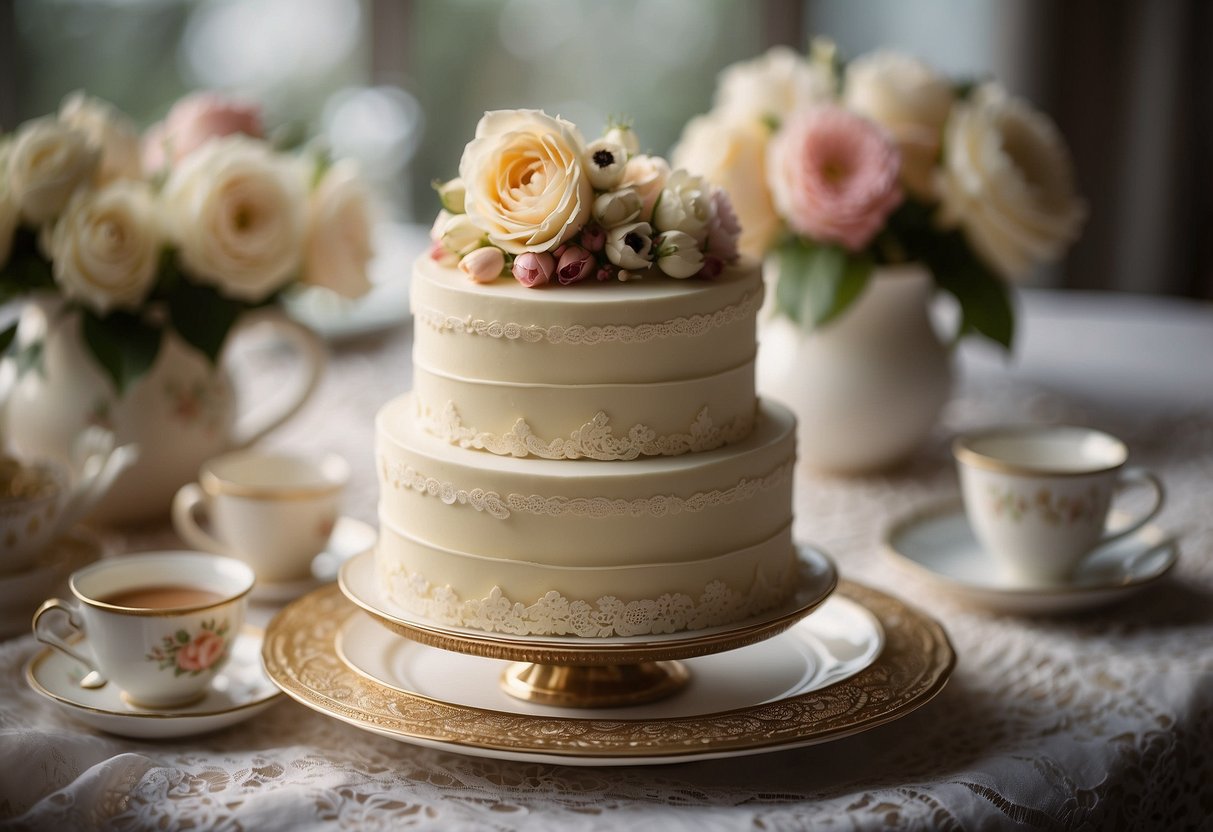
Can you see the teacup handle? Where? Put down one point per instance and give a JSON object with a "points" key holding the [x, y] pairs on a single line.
{"points": [[309, 346], [188, 498], [44, 634], [1131, 478]]}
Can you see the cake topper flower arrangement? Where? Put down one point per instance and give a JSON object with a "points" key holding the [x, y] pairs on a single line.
{"points": [[184, 228], [835, 170], [535, 201]]}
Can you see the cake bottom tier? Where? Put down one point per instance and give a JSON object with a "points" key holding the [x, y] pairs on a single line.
{"points": [[523, 598]]}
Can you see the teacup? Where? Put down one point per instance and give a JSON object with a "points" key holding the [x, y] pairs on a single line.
{"points": [[1038, 496], [158, 625], [274, 511]]}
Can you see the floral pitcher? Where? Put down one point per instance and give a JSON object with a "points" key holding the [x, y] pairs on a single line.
{"points": [[180, 413]]}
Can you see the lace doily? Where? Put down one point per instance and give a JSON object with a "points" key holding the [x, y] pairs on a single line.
{"points": [[398, 475], [691, 326], [595, 439], [554, 614]]}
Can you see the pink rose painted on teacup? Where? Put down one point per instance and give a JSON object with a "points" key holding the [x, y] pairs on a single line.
{"points": [[201, 653], [183, 653], [834, 176], [192, 122]]}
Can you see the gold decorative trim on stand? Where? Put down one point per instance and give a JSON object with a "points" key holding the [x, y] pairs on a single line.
{"points": [[300, 656]]}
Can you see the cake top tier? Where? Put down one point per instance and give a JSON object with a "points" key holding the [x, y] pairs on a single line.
{"points": [[536, 203]]}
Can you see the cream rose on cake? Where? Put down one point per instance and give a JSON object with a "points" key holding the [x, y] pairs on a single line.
{"points": [[235, 211], [47, 161], [1007, 182], [524, 181], [105, 247], [339, 233]]}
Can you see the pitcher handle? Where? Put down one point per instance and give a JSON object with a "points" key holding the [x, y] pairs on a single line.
{"points": [[308, 345], [44, 634], [185, 503], [98, 464]]}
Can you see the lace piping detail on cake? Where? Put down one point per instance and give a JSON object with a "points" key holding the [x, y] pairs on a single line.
{"points": [[582, 334], [595, 439], [399, 475], [554, 614]]}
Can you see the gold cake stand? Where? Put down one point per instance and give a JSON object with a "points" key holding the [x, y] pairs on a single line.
{"points": [[580, 672]]}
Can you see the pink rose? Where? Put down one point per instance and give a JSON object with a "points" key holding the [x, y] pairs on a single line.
{"points": [[712, 267], [192, 122], [533, 268], [834, 176], [575, 264], [593, 237], [206, 649], [441, 255], [605, 272], [724, 229], [483, 265]]}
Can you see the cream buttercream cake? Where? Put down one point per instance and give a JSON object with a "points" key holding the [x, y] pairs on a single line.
{"points": [[583, 451]]}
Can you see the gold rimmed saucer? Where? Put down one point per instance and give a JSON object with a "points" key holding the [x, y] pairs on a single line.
{"points": [[301, 655], [578, 672]]}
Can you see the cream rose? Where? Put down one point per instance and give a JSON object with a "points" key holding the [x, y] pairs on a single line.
{"points": [[908, 99], [109, 130], [732, 153], [338, 244], [235, 211], [524, 182], [105, 247], [1007, 182], [646, 175], [46, 162], [773, 86]]}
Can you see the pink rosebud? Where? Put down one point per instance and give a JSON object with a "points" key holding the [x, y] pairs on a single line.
{"points": [[712, 267], [834, 176], [724, 229], [575, 264], [533, 269], [593, 237], [605, 272], [192, 122], [483, 265]]}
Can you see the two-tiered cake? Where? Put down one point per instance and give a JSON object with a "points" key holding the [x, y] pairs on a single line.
{"points": [[580, 456]]}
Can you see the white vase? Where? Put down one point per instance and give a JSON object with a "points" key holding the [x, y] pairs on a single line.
{"points": [[181, 413], [867, 387]]}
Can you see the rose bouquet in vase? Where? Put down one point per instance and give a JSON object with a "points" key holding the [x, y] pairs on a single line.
{"points": [[141, 255], [866, 186]]}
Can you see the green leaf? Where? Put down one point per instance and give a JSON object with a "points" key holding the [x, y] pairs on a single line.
{"points": [[183, 636], [818, 282], [202, 316], [123, 344], [985, 302]]}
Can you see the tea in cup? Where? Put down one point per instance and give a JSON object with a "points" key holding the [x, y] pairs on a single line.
{"points": [[158, 625], [274, 511], [1038, 497]]}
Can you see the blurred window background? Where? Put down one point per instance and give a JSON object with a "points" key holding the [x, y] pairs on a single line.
{"points": [[399, 84]]}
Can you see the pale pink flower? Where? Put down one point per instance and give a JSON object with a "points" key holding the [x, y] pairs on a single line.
{"points": [[483, 265], [206, 649], [533, 268], [834, 176], [440, 255], [724, 229], [593, 237], [575, 264], [192, 122]]}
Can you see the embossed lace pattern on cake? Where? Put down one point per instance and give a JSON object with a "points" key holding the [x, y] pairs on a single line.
{"points": [[399, 475], [582, 334], [554, 614], [596, 439]]}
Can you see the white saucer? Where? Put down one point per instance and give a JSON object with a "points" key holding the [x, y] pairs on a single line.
{"points": [[938, 544], [241, 690], [350, 537], [359, 581], [22, 592]]}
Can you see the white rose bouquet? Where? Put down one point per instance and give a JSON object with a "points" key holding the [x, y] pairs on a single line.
{"points": [[834, 170], [535, 201], [182, 228]]}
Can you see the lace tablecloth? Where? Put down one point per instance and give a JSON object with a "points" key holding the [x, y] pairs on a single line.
{"points": [[1102, 721]]}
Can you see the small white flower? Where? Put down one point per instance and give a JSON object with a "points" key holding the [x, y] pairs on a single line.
{"points": [[685, 205], [105, 247], [453, 195], [460, 234], [604, 162], [47, 161], [630, 246], [617, 208], [678, 254], [625, 137]]}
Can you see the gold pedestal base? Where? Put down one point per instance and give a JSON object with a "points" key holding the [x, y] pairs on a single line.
{"points": [[594, 686]]}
